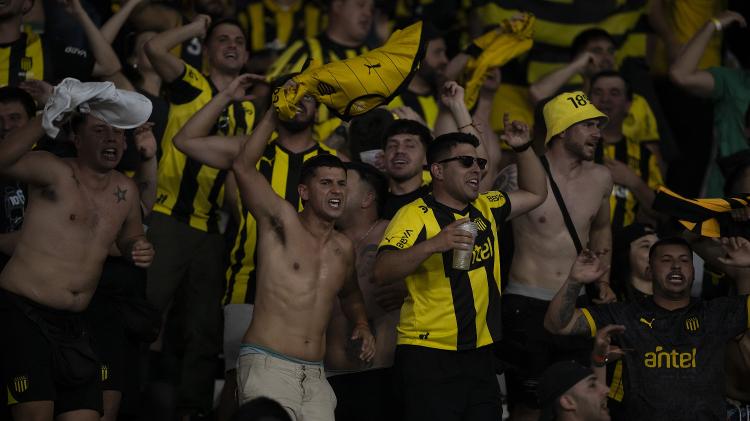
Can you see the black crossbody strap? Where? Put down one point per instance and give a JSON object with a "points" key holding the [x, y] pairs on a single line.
{"points": [[561, 203]]}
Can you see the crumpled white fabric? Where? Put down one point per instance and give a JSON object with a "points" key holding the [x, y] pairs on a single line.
{"points": [[118, 108]]}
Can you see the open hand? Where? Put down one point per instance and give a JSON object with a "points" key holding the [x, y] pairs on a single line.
{"points": [[237, 89], [603, 343], [737, 251], [516, 133], [587, 267]]}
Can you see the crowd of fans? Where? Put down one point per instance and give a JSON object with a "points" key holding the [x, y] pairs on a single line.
{"points": [[220, 261]]}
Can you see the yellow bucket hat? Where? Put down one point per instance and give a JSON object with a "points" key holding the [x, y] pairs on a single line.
{"points": [[567, 109]]}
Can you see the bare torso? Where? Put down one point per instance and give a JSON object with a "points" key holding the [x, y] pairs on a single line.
{"points": [[67, 233], [382, 323], [298, 279], [544, 250]]}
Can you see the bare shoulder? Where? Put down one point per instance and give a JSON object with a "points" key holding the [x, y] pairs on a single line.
{"points": [[344, 244], [600, 175], [123, 187]]}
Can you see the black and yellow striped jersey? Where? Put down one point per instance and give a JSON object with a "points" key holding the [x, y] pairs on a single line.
{"points": [[323, 50], [281, 168], [623, 205], [269, 26], [424, 105], [35, 56], [447, 308], [187, 190]]}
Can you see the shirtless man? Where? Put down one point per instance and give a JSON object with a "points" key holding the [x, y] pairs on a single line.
{"points": [[303, 262], [358, 385], [544, 250], [78, 208]]}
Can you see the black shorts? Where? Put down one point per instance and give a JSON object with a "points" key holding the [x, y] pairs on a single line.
{"points": [[439, 385], [366, 396], [47, 356], [528, 348]]}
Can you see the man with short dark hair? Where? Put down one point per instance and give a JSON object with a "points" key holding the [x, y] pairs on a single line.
{"points": [[569, 391], [451, 317], [676, 368]]}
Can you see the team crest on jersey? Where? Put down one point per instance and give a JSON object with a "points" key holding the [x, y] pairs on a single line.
{"points": [[20, 384], [692, 324]]}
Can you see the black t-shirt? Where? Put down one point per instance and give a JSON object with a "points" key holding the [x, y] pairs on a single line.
{"points": [[676, 371], [11, 214], [394, 202], [35, 56]]}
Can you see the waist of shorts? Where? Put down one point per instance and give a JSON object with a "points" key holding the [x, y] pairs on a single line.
{"points": [[24, 303], [278, 359], [517, 288]]}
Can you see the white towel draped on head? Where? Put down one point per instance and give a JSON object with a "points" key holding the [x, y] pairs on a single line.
{"points": [[118, 108]]}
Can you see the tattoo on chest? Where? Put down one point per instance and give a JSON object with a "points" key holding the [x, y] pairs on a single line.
{"points": [[120, 194]]}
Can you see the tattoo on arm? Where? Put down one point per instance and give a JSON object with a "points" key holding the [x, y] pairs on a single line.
{"points": [[569, 303], [581, 326], [120, 194]]}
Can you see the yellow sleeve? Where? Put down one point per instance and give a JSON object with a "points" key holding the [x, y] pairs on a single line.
{"points": [[405, 229]]}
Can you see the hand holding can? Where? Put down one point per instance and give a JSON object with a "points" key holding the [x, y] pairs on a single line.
{"points": [[462, 257]]}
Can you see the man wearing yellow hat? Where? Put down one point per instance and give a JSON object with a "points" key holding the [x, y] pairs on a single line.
{"points": [[546, 246]]}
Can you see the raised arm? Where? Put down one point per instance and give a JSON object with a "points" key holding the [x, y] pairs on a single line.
{"points": [[146, 174], [684, 71], [482, 119], [353, 307], [394, 265], [550, 83], [107, 62], [600, 238], [157, 48], [532, 180], [563, 318], [19, 163], [255, 192], [194, 139], [112, 26]]}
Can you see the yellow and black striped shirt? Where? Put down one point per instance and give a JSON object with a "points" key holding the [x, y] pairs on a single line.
{"points": [[623, 205], [281, 168], [424, 105], [269, 26], [35, 56], [447, 308], [187, 190], [323, 50]]}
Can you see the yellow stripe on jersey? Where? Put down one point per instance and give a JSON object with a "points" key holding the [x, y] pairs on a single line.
{"points": [[187, 190], [424, 105], [4, 66], [748, 311], [447, 308], [270, 26], [590, 320], [22, 60], [616, 387], [281, 168], [623, 205]]}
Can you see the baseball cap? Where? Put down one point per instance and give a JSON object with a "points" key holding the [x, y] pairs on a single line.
{"points": [[555, 381], [567, 109]]}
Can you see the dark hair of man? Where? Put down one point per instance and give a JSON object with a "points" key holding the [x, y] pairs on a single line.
{"points": [[404, 126], [223, 21], [310, 166], [581, 40], [668, 241], [374, 178], [430, 32], [366, 131], [261, 409], [614, 73], [441, 146], [10, 94]]}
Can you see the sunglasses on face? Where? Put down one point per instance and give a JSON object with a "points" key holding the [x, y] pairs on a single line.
{"points": [[467, 161]]}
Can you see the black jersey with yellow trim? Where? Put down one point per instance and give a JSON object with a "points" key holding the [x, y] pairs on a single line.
{"points": [[323, 50], [269, 26], [34, 56], [709, 217], [623, 205], [446, 308], [677, 355], [281, 168], [186, 189], [424, 105]]}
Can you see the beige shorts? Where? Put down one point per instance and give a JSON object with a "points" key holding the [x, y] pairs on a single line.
{"points": [[302, 389]]}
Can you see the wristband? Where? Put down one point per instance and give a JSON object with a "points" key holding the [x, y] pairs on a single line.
{"points": [[465, 126], [717, 24], [522, 147], [599, 360]]}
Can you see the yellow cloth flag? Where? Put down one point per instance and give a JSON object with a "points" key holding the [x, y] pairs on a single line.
{"points": [[356, 85], [499, 46]]}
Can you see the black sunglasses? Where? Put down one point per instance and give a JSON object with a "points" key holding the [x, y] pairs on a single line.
{"points": [[467, 161]]}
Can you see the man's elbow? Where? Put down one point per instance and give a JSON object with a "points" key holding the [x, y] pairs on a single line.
{"points": [[551, 326], [678, 76], [379, 276], [152, 49], [534, 94]]}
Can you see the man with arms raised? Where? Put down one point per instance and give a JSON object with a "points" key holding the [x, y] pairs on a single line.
{"points": [[303, 262], [544, 249], [77, 209], [676, 370]]}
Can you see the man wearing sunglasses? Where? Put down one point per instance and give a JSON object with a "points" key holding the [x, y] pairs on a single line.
{"points": [[451, 317]]}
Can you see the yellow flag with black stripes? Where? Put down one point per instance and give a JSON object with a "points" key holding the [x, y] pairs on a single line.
{"points": [[706, 217]]}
